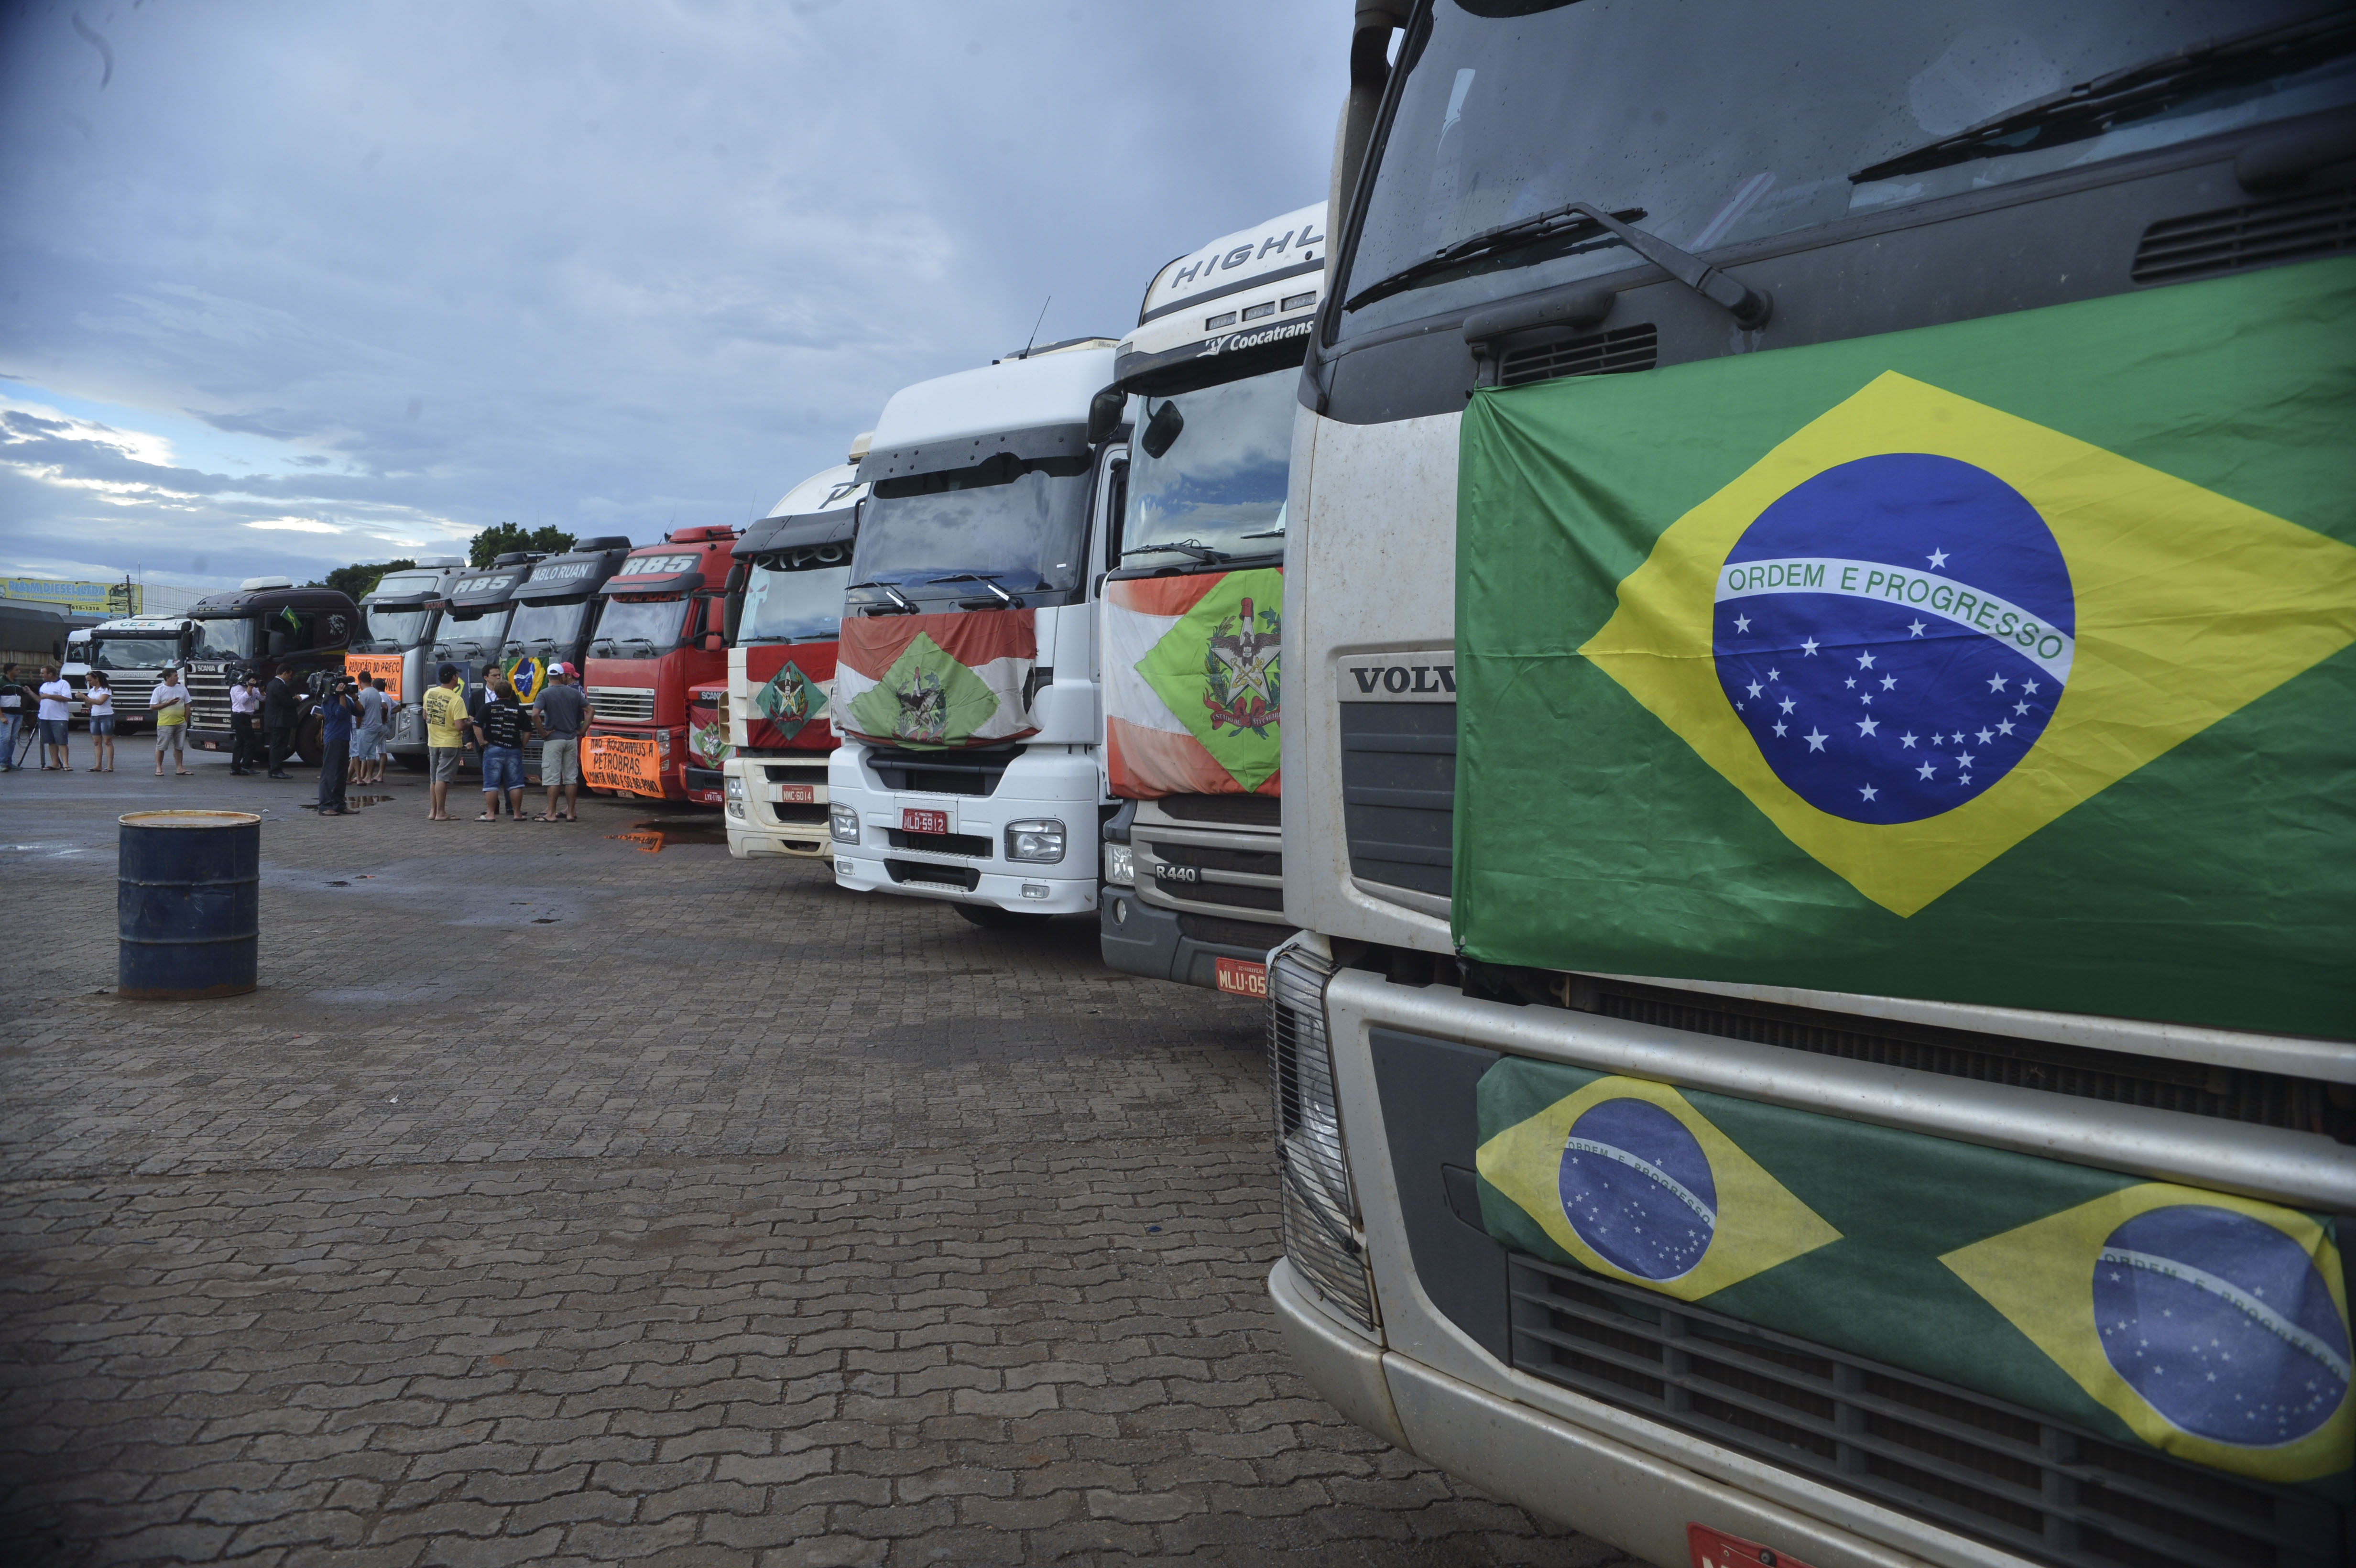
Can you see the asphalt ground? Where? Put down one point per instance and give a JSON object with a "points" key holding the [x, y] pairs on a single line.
{"points": [[574, 1193]]}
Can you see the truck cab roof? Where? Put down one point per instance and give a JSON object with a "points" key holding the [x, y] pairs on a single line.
{"points": [[1253, 292], [1032, 406], [686, 560], [821, 509], [484, 588], [583, 568], [247, 601], [139, 625]]}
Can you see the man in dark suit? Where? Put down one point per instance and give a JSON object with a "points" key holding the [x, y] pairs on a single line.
{"points": [[278, 710]]}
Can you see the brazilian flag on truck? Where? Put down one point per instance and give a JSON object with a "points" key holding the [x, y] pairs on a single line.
{"points": [[2004, 662]]}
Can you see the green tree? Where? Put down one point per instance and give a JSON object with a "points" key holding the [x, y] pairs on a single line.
{"points": [[494, 542], [361, 578]]}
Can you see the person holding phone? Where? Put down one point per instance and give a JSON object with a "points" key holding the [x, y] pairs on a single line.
{"points": [[100, 699]]}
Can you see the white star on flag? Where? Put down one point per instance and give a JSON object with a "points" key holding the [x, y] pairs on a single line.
{"points": [[1780, 729], [1964, 761], [2021, 708], [2004, 726], [1816, 741], [1756, 689], [1916, 628], [1925, 771], [2030, 686], [1865, 726], [1789, 705], [1809, 648], [1865, 661], [1907, 740], [1851, 683], [1995, 683], [1963, 778], [1888, 683], [1867, 792], [1742, 622], [1938, 559], [1984, 737], [1774, 675], [1866, 697]]}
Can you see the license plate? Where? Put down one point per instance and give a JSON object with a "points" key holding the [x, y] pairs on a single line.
{"points": [[1242, 977], [799, 795], [1185, 876], [915, 821], [1714, 1548]]}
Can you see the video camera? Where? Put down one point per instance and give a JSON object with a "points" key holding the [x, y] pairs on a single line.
{"points": [[323, 683]]}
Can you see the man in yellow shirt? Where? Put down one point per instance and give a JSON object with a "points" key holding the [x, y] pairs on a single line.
{"points": [[446, 738]]}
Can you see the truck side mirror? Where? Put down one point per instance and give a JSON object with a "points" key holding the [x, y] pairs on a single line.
{"points": [[1104, 413], [715, 642]]}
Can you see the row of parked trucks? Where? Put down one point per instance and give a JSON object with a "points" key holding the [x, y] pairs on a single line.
{"points": [[1768, 724]]}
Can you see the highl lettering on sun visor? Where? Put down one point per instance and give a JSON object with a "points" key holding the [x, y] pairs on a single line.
{"points": [[1426, 676]]}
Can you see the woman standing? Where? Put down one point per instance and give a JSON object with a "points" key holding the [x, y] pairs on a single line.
{"points": [[101, 697]]}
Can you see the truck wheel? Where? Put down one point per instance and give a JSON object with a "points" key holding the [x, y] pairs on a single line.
{"points": [[307, 746], [990, 917]]}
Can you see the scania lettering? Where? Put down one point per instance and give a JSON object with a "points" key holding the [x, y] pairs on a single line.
{"points": [[785, 613], [1194, 692], [397, 626], [964, 680], [1820, 602], [268, 627], [555, 617], [660, 634], [132, 651]]}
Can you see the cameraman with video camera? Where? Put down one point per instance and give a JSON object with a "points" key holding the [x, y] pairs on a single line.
{"points": [[335, 699]]}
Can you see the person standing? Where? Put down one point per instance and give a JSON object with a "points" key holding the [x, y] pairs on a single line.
{"points": [[336, 710], [12, 717], [278, 718], [562, 716], [445, 737], [100, 699], [244, 709], [367, 731], [376, 711], [57, 711], [169, 703], [501, 721]]}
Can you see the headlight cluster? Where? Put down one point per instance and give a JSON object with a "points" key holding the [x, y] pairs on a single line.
{"points": [[843, 823], [732, 790], [1119, 867], [1039, 840]]}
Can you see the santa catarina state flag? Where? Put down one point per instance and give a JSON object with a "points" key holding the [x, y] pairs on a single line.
{"points": [[791, 693], [2002, 662], [2206, 1325], [935, 680], [1192, 691]]}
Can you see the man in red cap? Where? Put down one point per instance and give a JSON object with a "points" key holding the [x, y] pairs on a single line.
{"points": [[562, 713]]}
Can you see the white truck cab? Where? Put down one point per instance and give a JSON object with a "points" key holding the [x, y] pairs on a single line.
{"points": [[965, 683]]}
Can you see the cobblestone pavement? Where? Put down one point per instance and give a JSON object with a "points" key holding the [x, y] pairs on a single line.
{"points": [[563, 1199]]}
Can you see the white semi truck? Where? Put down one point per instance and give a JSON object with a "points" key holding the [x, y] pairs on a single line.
{"points": [[132, 651], [1822, 1032], [785, 613], [965, 682], [397, 620], [1191, 615]]}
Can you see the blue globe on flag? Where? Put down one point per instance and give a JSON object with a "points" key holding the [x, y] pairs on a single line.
{"points": [[1637, 1188], [1894, 631], [2221, 1323]]}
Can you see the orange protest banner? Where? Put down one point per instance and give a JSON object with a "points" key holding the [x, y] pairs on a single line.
{"points": [[377, 667], [622, 762]]}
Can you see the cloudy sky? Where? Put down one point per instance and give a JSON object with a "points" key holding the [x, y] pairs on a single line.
{"points": [[288, 286]]}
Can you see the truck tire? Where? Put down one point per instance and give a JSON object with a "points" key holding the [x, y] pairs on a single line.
{"points": [[990, 917], [307, 747]]}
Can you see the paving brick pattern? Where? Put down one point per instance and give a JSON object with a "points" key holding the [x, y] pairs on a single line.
{"points": [[560, 1201]]}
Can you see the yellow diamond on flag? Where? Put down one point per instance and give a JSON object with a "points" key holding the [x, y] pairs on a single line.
{"points": [[1920, 629], [1626, 1176], [2215, 1326]]}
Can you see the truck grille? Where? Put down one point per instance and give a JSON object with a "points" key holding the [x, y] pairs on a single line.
{"points": [[966, 877], [2255, 234], [943, 772], [1398, 792], [623, 704], [2053, 1493], [1238, 873], [1319, 1209], [207, 698], [973, 846], [1601, 354]]}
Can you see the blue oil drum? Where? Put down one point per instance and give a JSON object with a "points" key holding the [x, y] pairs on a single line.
{"points": [[187, 904]]}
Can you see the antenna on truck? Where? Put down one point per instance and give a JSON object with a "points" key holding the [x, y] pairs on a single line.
{"points": [[1035, 329]]}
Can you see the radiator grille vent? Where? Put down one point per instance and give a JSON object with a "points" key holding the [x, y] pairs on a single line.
{"points": [[2053, 1493], [623, 704], [973, 774], [2255, 234], [1320, 1235], [1225, 810], [1603, 354]]}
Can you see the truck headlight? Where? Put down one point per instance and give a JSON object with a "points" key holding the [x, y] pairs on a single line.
{"points": [[843, 823], [662, 745], [731, 789], [1040, 840], [1120, 868]]}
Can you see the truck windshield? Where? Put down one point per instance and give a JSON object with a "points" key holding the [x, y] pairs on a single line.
{"points": [[392, 631], [1208, 469], [138, 653], [639, 628], [555, 623], [224, 639], [470, 634], [796, 597], [1721, 121], [1023, 525]]}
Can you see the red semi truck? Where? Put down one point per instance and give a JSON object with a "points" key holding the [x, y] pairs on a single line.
{"points": [[660, 636]]}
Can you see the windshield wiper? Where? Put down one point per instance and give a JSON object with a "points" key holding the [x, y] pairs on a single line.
{"points": [[2135, 92], [1270, 534], [981, 577], [1195, 548], [900, 601], [1515, 235]]}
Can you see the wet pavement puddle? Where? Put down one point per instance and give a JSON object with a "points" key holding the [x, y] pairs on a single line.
{"points": [[358, 802], [657, 833]]}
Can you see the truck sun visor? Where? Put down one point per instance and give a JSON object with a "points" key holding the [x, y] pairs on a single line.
{"points": [[965, 451], [672, 583], [770, 535]]}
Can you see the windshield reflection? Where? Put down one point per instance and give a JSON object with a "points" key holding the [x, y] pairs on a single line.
{"points": [[1024, 524], [134, 653], [796, 597], [1218, 481], [470, 635], [554, 624], [640, 628], [224, 639], [393, 631]]}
